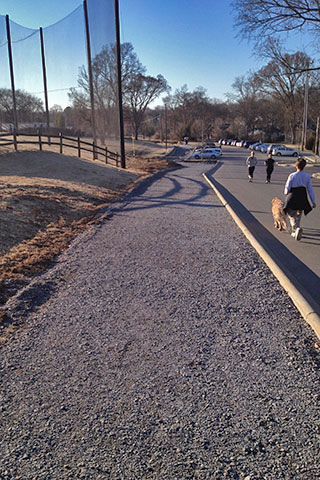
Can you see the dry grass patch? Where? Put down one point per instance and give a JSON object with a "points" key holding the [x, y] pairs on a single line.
{"points": [[46, 200]]}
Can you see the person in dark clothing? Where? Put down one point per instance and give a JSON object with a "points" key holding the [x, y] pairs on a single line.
{"points": [[298, 187], [269, 163]]}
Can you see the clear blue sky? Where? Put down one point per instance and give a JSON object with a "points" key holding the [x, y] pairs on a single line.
{"points": [[188, 41]]}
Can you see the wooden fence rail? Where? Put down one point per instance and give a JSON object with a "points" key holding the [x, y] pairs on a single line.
{"points": [[62, 142]]}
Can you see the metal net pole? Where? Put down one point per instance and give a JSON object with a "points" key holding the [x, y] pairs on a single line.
{"points": [[122, 149], [45, 87], [15, 117], [93, 123]]}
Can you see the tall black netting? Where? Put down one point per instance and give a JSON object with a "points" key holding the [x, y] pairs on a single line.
{"points": [[65, 62], [27, 75], [102, 25], [5, 87], [101, 15], [4, 70], [3, 35], [65, 52]]}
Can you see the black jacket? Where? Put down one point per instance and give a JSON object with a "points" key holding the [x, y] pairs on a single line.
{"points": [[298, 200]]}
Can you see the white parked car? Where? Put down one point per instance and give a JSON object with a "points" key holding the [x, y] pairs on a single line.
{"points": [[272, 146], [285, 151], [264, 147], [207, 154], [203, 147]]}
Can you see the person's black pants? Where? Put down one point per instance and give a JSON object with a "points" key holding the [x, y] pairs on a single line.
{"points": [[269, 171], [251, 170]]}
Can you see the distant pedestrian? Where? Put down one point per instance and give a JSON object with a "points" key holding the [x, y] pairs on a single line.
{"points": [[251, 162], [298, 187], [186, 140], [269, 163]]}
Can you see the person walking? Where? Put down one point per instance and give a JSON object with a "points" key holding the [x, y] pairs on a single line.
{"points": [[297, 188], [269, 163], [251, 162]]}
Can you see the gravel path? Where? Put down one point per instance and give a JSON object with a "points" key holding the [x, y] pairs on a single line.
{"points": [[165, 350]]}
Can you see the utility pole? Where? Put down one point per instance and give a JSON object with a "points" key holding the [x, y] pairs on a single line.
{"points": [[305, 114], [317, 142]]}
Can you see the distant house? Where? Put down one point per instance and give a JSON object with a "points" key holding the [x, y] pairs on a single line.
{"points": [[9, 127]]}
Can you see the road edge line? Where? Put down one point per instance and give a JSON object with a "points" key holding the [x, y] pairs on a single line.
{"points": [[303, 306]]}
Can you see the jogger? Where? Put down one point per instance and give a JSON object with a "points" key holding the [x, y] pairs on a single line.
{"points": [[251, 163], [269, 164]]}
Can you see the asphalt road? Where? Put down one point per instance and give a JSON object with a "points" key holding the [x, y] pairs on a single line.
{"points": [[252, 201]]}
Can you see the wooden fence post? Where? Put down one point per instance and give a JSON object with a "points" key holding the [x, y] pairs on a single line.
{"points": [[79, 147], [40, 141], [106, 150], [94, 150], [61, 142], [15, 140]]}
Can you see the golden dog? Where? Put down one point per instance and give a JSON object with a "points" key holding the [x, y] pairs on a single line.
{"points": [[278, 214]]}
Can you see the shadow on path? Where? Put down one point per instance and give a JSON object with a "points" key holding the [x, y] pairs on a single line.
{"points": [[181, 191], [304, 279]]}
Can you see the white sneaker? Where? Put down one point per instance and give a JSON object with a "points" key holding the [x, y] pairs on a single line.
{"points": [[293, 234], [298, 233]]}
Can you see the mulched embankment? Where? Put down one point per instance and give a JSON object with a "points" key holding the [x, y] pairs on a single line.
{"points": [[166, 350]]}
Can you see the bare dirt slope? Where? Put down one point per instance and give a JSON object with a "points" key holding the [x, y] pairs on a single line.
{"points": [[46, 199]]}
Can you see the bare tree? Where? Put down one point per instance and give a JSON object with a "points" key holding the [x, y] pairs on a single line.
{"points": [[191, 114], [247, 102], [260, 18], [283, 79], [28, 106], [79, 115], [140, 91]]}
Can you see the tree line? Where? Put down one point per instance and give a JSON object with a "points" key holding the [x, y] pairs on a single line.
{"points": [[266, 104]]}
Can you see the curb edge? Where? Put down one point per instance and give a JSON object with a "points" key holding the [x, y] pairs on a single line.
{"points": [[303, 306]]}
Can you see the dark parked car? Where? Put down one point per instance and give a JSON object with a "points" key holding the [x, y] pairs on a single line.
{"points": [[209, 145], [247, 144]]}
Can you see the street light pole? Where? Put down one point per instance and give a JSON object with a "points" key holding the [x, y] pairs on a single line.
{"points": [[305, 114], [317, 142]]}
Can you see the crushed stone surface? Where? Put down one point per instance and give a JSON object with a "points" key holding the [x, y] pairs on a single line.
{"points": [[162, 347]]}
